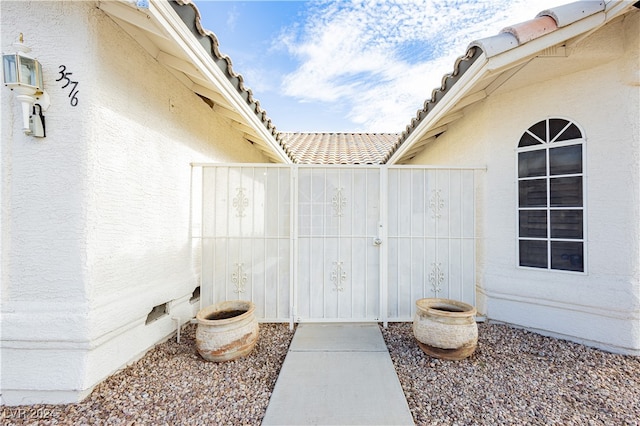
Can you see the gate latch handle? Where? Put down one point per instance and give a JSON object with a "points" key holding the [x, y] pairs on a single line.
{"points": [[377, 240]]}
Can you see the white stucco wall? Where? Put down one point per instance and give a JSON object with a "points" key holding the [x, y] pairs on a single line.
{"points": [[602, 306], [95, 217]]}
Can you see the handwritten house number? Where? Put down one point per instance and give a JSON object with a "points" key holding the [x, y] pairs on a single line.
{"points": [[73, 93]]}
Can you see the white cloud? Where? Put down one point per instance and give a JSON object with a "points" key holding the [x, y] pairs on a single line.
{"points": [[382, 59], [232, 18]]}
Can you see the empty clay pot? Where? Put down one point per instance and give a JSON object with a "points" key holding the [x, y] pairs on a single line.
{"points": [[226, 330], [445, 328]]}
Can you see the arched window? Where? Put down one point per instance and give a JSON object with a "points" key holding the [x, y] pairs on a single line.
{"points": [[551, 196]]}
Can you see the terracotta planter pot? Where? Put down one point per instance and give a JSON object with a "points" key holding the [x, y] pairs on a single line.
{"points": [[226, 330], [445, 328]]}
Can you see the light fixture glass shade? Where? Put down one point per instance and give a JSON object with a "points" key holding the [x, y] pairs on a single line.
{"points": [[22, 71]]}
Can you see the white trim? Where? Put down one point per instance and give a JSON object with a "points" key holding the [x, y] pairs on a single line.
{"points": [[546, 146], [293, 232], [617, 314], [383, 226], [169, 20]]}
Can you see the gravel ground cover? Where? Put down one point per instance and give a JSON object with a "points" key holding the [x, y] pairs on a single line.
{"points": [[514, 378], [173, 385]]}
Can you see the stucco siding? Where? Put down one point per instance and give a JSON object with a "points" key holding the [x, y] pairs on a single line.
{"points": [[602, 306], [96, 216]]}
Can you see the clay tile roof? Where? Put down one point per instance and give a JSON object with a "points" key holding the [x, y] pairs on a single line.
{"points": [[340, 148], [509, 38]]}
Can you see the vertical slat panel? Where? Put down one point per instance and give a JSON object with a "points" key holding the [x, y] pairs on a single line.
{"points": [[246, 238], [269, 291], [455, 204], [303, 290], [468, 268], [372, 285], [433, 203], [392, 243], [350, 284], [468, 204], [284, 280], [403, 259], [261, 262], [373, 199], [455, 262], [317, 278], [418, 202], [432, 269], [207, 271], [418, 272], [439, 250]]}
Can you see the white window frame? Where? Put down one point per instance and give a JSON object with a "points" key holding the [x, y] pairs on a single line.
{"points": [[546, 145]]}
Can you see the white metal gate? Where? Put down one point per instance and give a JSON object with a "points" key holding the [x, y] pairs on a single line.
{"points": [[338, 266], [336, 243]]}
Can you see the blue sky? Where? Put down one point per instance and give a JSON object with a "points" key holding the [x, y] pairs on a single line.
{"points": [[352, 66]]}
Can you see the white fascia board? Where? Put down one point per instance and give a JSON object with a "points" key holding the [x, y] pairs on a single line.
{"points": [[467, 81], [165, 15], [617, 7], [528, 50]]}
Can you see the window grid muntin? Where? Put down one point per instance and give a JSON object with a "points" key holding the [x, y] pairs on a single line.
{"points": [[546, 146]]}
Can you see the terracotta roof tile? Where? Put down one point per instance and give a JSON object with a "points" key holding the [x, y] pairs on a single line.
{"points": [[532, 29], [340, 148]]}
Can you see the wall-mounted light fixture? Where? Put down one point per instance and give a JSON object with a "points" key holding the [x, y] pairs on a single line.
{"points": [[23, 75]]}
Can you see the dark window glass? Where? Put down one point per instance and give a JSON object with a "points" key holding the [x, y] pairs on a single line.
{"points": [[567, 255], [550, 197], [533, 193], [566, 191], [555, 126], [540, 130], [533, 253], [566, 224], [528, 140], [533, 223], [532, 163], [565, 160], [571, 132]]}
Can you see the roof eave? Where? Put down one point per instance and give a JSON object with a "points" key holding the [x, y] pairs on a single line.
{"points": [[203, 60], [494, 66], [225, 93]]}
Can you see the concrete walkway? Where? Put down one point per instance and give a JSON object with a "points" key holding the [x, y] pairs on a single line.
{"points": [[338, 374]]}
